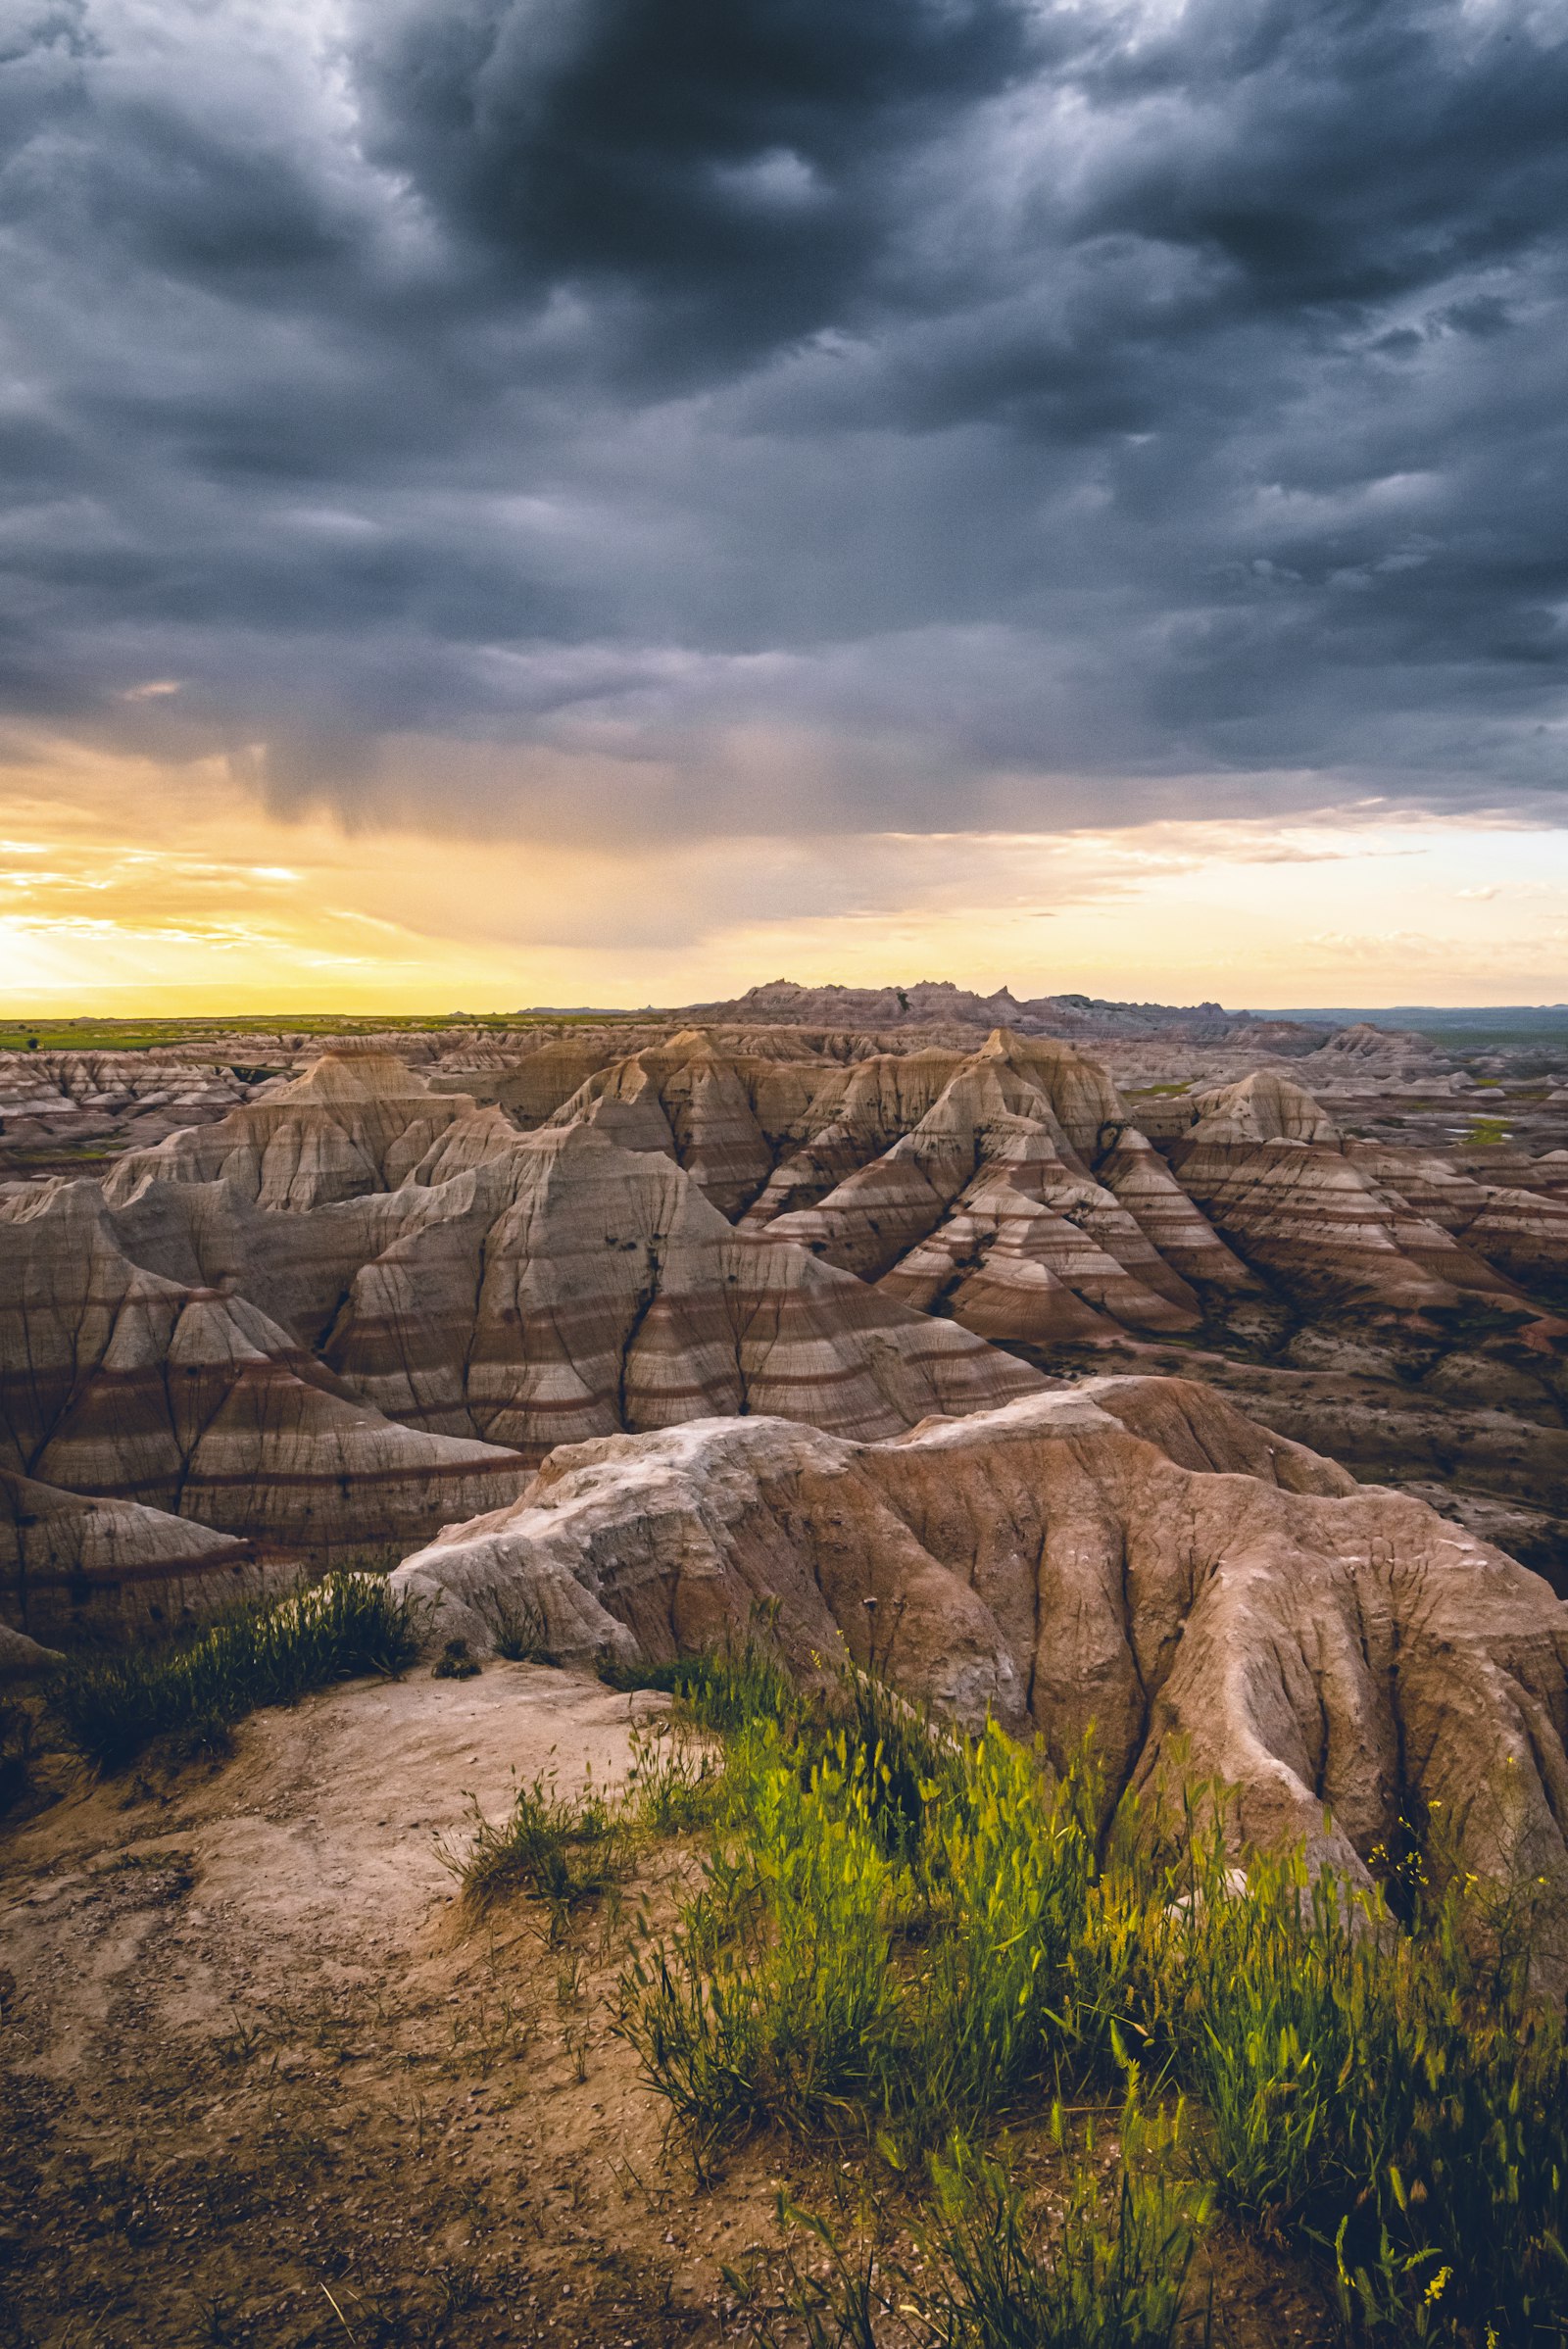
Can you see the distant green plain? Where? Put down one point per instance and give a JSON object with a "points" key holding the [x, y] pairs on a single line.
{"points": [[150, 1035]]}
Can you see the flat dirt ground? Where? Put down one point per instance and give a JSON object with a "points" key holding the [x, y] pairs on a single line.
{"points": [[263, 2080]]}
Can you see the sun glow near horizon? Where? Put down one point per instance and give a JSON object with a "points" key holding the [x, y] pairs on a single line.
{"points": [[208, 902]]}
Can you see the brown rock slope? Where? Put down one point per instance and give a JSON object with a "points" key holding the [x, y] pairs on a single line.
{"points": [[1269, 1168], [357, 1309], [356, 1121], [1135, 1556], [356, 1306], [567, 1287], [118, 1380], [1010, 1188], [55, 1548]]}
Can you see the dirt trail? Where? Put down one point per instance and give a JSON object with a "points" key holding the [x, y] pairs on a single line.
{"points": [[261, 2084]]}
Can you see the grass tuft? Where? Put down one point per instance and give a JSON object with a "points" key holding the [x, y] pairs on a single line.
{"points": [[721, 1689], [517, 1624], [902, 1937], [455, 1663], [565, 1852], [1110, 2270], [189, 1694], [1108, 2277]]}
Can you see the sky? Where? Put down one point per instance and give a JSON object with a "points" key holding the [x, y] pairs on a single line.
{"points": [[611, 501]]}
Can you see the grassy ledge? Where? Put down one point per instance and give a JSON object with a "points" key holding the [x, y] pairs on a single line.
{"points": [[189, 1694], [908, 1943]]}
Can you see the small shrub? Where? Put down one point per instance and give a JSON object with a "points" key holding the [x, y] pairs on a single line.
{"points": [[563, 1851], [874, 1946], [517, 1622], [455, 1663], [912, 1767], [1105, 2279], [265, 1654]]}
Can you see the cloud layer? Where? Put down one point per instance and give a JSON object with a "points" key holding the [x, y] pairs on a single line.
{"points": [[634, 417]]}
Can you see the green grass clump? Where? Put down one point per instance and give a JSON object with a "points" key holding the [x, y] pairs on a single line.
{"points": [[675, 1783], [564, 1851], [1008, 1873], [875, 1945], [1112, 2279], [1111, 2272], [265, 1654], [455, 1663], [776, 1999], [900, 1934], [1394, 2098], [518, 1625], [722, 1688]]}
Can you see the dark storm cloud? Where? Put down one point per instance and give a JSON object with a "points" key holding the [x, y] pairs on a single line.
{"points": [[737, 168], [770, 412]]}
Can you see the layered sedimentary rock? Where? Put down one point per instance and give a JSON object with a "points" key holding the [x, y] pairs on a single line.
{"points": [[69, 1109], [1406, 1310], [976, 1161], [355, 1121], [931, 1003], [1270, 1170], [1013, 1189], [569, 1288], [364, 1303], [118, 1380], [1133, 1559], [1137, 1177], [66, 1557], [358, 1308], [1388, 1055], [1526, 1233], [984, 1208]]}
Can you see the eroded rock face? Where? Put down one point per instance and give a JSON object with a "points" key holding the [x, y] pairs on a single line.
{"points": [[356, 1121], [1010, 1188], [1134, 1557], [118, 1380], [23, 1658], [569, 1288], [939, 1002], [67, 1559], [362, 1302], [358, 1310]]}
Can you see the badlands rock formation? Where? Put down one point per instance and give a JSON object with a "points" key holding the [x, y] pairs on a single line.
{"points": [[1013, 1189], [1383, 1277], [60, 1551], [358, 1308], [1134, 1558], [367, 1299], [938, 1004]]}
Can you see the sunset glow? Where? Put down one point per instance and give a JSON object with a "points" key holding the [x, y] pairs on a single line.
{"points": [[207, 901]]}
